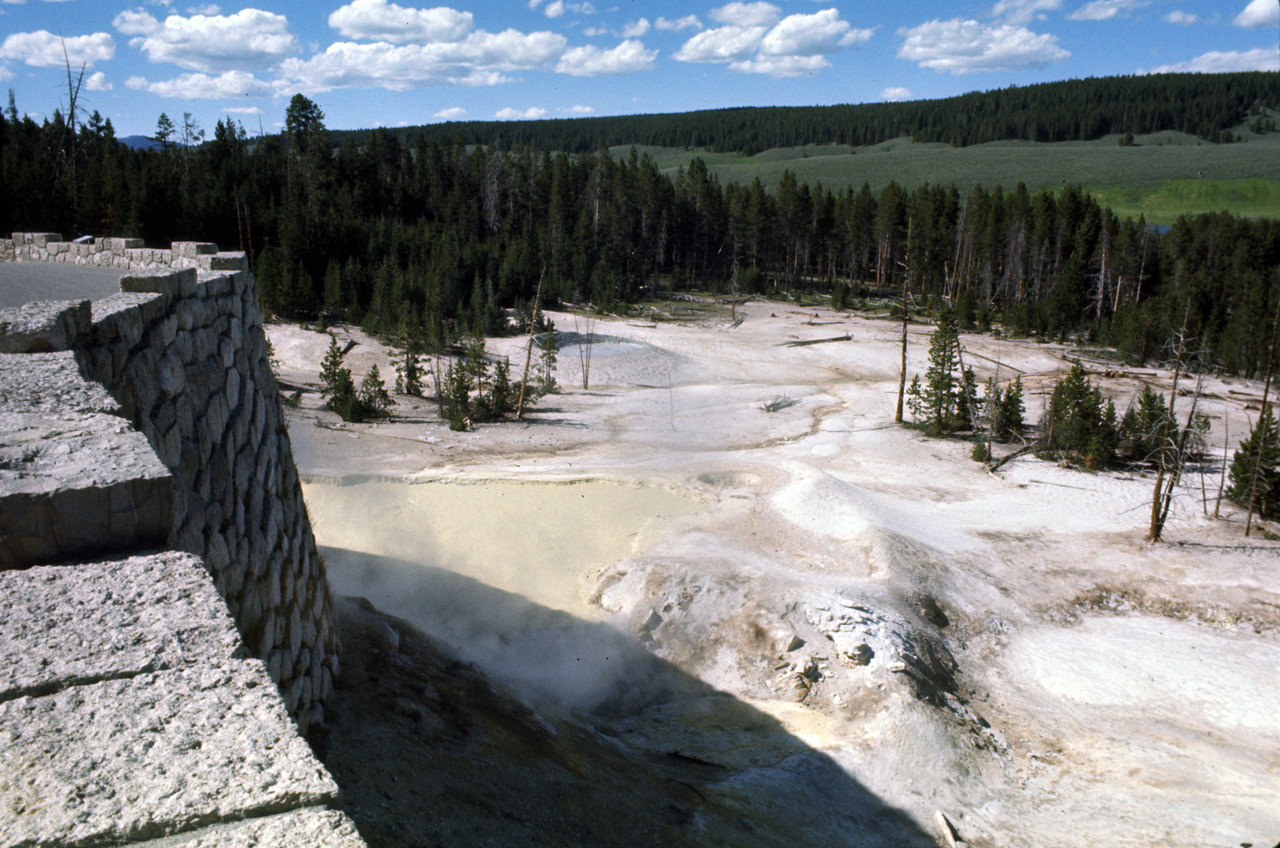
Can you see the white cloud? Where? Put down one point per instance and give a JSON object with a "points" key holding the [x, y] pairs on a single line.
{"points": [[781, 66], [1177, 16], [557, 9], [248, 40], [43, 49], [629, 57], [795, 46], [637, 29], [243, 110], [1259, 13], [964, 47], [453, 113], [679, 24], [1218, 62], [895, 93], [533, 4], [1021, 12], [531, 114], [378, 20], [747, 14], [98, 82], [5, 73], [482, 58], [231, 84], [811, 35], [1105, 10], [722, 44], [592, 32], [578, 110], [210, 9]]}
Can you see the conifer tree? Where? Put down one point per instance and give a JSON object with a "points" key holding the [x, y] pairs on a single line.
{"points": [[373, 393], [943, 385], [1262, 451]]}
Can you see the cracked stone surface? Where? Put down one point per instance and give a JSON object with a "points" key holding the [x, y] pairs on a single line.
{"points": [[312, 828], [68, 625], [151, 756]]}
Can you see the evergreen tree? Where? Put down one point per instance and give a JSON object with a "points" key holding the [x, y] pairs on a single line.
{"points": [[1009, 411], [1078, 425], [1261, 451], [943, 384], [915, 399], [373, 393]]}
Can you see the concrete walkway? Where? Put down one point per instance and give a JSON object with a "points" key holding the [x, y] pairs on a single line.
{"points": [[23, 282]]}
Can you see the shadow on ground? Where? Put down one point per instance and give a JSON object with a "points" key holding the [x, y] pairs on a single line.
{"points": [[572, 747]]}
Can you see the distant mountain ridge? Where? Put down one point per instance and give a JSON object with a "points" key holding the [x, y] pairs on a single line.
{"points": [[1205, 105], [139, 142]]}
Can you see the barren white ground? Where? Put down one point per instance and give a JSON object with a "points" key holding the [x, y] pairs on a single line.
{"points": [[1004, 648]]}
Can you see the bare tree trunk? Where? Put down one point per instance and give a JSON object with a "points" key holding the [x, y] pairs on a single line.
{"points": [[528, 354], [906, 305]]}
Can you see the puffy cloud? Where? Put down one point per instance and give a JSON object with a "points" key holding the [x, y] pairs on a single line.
{"points": [[794, 46], [578, 110], [453, 113], [1259, 13], [1105, 10], [243, 110], [1219, 62], [1020, 12], [637, 29], [781, 66], [378, 20], [722, 44], [249, 39], [679, 24], [747, 14], [1179, 17], [530, 114], [964, 47], [482, 58], [811, 35], [98, 82], [231, 84], [43, 49], [558, 8], [628, 57], [895, 93]]}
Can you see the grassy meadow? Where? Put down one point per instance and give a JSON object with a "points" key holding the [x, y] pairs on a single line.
{"points": [[1162, 176]]}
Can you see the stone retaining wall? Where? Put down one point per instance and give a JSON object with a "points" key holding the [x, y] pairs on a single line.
{"points": [[123, 253], [136, 696]]}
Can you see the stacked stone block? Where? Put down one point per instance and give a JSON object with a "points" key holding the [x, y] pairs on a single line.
{"points": [[122, 253], [132, 706], [185, 355], [182, 353]]}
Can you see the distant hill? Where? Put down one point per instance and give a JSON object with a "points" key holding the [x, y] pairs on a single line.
{"points": [[1208, 106], [139, 142]]}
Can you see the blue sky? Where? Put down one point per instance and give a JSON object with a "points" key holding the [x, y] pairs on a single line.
{"points": [[377, 62]]}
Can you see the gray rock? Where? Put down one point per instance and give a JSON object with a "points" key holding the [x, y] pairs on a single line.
{"points": [[76, 624], [151, 756], [44, 326], [312, 828]]}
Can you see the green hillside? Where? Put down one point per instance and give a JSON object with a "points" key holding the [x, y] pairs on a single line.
{"points": [[1162, 176]]}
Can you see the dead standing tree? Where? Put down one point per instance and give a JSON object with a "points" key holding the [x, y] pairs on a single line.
{"points": [[906, 311]]}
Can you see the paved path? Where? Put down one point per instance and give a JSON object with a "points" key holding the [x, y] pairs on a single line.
{"points": [[23, 282]]}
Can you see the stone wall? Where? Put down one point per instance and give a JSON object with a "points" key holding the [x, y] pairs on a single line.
{"points": [[183, 356], [124, 253], [157, 569]]}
